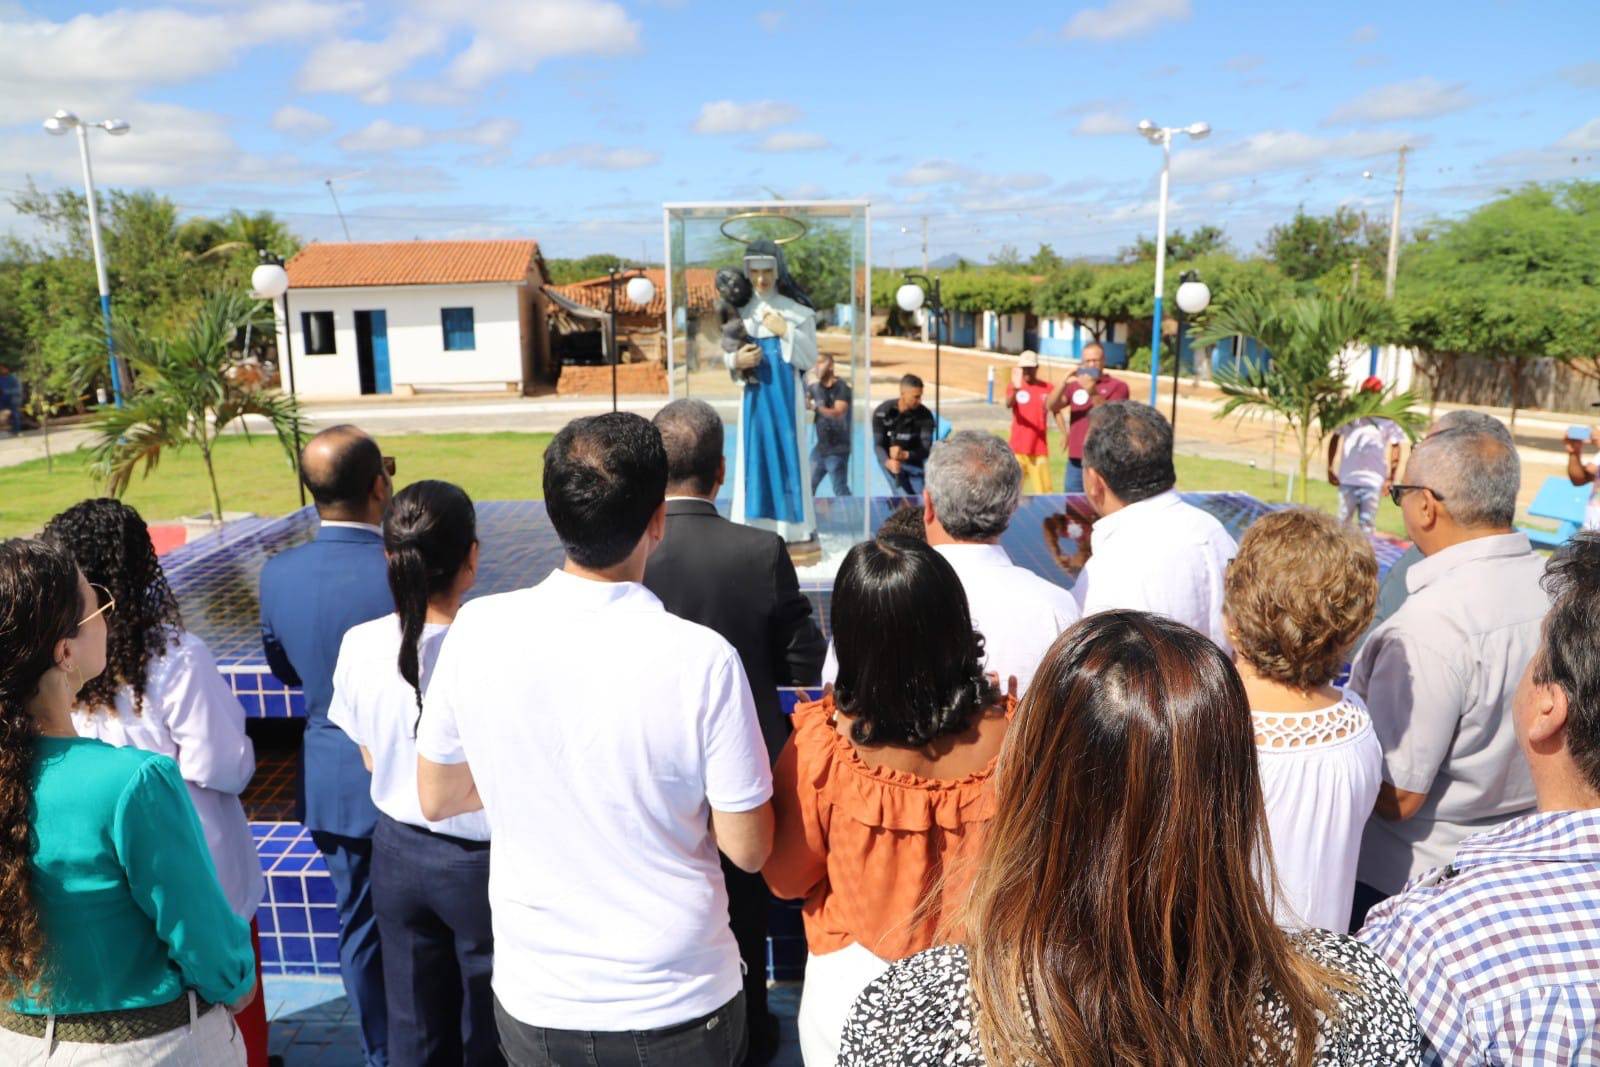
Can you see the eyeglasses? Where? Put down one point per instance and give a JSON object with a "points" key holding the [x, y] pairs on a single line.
{"points": [[388, 466], [1397, 491], [103, 609]]}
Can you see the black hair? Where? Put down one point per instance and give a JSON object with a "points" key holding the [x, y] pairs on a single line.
{"points": [[732, 285], [910, 663], [604, 477], [40, 605], [906, 521], [112, 546], [910, 381], [346, 480], [784, 281], [1130, 447], [691, 432], [428, 534], [1570, 657]]}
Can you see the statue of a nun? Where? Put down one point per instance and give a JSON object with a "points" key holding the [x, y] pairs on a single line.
{"points": [[770, 487]]}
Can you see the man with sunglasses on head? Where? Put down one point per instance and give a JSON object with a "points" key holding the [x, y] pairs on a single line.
{"points": [[1438, 676], [310, 595]]}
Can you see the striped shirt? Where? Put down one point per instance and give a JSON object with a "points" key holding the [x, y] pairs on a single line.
{"points": [[1500, 949]]}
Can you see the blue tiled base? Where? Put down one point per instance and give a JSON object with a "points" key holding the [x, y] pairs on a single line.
{"points": [[299, 919]]}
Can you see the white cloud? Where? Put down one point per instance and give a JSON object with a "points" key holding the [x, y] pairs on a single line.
{"points": [[297, 120], [1584, 75], [1124, 18], [364, 69], [1364, 34], [1102, 123], [932, 172], [1419, 98], [490, 133], [1583, 139], [792, 141], [596, 157], [944, 172], [727, 116], [1279, 150], [381, 136], [516, 35]]}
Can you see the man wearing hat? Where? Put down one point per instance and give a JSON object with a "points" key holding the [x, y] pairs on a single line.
{"points": [[1028, 397], [1369, 465]]}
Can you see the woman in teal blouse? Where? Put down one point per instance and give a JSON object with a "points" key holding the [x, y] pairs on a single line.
{"points": [[116, 943]]}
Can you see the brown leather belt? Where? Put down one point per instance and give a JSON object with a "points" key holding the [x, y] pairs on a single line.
{"points": [[108, 1027]]}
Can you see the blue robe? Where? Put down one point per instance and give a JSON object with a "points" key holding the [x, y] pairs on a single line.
{"points": [[774, 479]]}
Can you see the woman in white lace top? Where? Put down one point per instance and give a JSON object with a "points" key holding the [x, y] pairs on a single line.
{"points": [[1298, 594]]}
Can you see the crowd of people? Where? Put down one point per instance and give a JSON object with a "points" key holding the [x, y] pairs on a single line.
{"points": [[1147, 819]]}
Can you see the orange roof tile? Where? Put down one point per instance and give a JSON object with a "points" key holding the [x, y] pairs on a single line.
{"points": [[595, 292], [337, 265]]}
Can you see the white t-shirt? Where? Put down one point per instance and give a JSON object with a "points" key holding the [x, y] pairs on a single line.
{"points": [[191, 715], [601, 731], [1320, 772], [1366, 444], [1159, 555], [378, 709]]}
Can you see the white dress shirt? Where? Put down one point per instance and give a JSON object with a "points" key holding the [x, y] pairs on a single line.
{"points": [[1438, 678], [378, 709], [1163, 556], [601, 732], [191, 715]]}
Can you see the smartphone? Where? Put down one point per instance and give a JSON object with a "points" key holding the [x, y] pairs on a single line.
{"points": [[1579, 433]]}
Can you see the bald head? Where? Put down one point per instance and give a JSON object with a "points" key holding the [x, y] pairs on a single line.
{"points": [[343, 470]]}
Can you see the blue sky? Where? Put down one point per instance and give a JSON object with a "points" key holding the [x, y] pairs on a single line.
{"points": [[1002, 123]]}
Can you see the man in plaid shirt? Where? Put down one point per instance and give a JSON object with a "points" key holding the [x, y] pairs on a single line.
{"points": [[1500, 948]]}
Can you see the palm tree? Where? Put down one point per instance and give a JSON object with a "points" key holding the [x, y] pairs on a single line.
{"points": [[186, 393], [1304, 381]]}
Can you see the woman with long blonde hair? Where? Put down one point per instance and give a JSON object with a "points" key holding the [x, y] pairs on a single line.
{"points": [[1117, 916]]}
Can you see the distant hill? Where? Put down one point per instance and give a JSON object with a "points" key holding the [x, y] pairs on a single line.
{"points": [[953, 260]]}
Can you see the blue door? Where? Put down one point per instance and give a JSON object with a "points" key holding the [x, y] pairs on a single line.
{"points": [[380, 351]]}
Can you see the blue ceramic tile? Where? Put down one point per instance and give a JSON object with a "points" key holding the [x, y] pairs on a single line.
{"points": [[320, 890], [325, 920], [327, 950], [266, 920], [296, 949], [269, 950], [287, 889], [293, 921]]}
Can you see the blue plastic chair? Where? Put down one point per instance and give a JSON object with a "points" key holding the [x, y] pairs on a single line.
{"points": [[1562, 501]]}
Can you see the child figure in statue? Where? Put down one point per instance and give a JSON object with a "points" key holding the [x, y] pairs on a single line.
{"points": [[734, 289], [770, 486]]}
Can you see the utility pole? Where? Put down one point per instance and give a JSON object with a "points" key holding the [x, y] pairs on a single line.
{"points": [[925, 272], [1394, 227]]}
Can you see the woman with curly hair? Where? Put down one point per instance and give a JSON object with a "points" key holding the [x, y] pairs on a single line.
{"points": [[161, 692], [116, 943], [882, 793], [1296, 598]]}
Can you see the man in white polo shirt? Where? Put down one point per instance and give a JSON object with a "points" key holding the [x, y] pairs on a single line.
{"points": [[1151, 551], [614, 748]]}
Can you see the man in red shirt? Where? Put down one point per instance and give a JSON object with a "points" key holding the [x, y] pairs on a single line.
{"points": [[1028, 397], [1088, 388]]}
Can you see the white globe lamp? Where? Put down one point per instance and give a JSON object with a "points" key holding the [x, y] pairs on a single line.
{"points": [[1194, 297], [640, 291], [910, 297], [269, 281]]}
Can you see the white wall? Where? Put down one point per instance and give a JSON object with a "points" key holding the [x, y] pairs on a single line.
{"points": [[416, 336]]}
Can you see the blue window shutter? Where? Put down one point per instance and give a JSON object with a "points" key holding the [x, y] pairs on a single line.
{"points": [[458, 329]]}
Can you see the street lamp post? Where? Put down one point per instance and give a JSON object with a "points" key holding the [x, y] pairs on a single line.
{"points": [[1162, 135], [268, 282], [910, 297], [1393, 264], [58, 125], [640, 291], [1194, 296]]}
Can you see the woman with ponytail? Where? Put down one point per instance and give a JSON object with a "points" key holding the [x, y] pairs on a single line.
{"points": [[161, 691], [430, 880], [883, 791], [117, 945]]}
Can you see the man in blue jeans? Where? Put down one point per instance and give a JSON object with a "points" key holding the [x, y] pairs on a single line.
{"points": [[1086, 389], [11, 398], [829, 398], [902, 434]]}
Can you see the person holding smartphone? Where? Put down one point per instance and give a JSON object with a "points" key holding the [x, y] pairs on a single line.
{"points": [[1088, 387], [1583, 473]]}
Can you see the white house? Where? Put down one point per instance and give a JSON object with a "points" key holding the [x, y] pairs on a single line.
{"points": [[410, 316]]}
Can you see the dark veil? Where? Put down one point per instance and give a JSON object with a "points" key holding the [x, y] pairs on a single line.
{"points": [[786, 284]]}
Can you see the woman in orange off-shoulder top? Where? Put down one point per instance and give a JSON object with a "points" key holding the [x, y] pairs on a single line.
{"points": [[883, 791]]}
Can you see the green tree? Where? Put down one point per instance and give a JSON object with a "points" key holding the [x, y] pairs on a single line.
{"points": [[1304, 381], [1181, 247], [568, 271], [1546, 235], [1310, 246], [1045, 261], [1008, 258], [187, 394]]}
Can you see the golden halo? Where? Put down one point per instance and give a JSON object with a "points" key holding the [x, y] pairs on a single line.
{"points": [[763, 215]]}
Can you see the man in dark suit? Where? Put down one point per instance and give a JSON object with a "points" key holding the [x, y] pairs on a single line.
{"points": [[310, 595], [740, 582]]}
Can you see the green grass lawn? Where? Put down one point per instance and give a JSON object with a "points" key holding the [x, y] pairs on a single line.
{"points": [[256, 476]]}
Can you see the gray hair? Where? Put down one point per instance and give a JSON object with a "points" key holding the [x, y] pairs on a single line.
{"points": [[1476, 473], [1471, 420], [975, 484], [691, 431]]}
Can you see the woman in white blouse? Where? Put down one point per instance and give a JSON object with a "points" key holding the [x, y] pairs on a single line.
{"points": [[430, 880], [161, 692], [1298, 595]]}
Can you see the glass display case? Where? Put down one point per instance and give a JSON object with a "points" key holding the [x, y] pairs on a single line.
{"points": [[764, 298]]}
